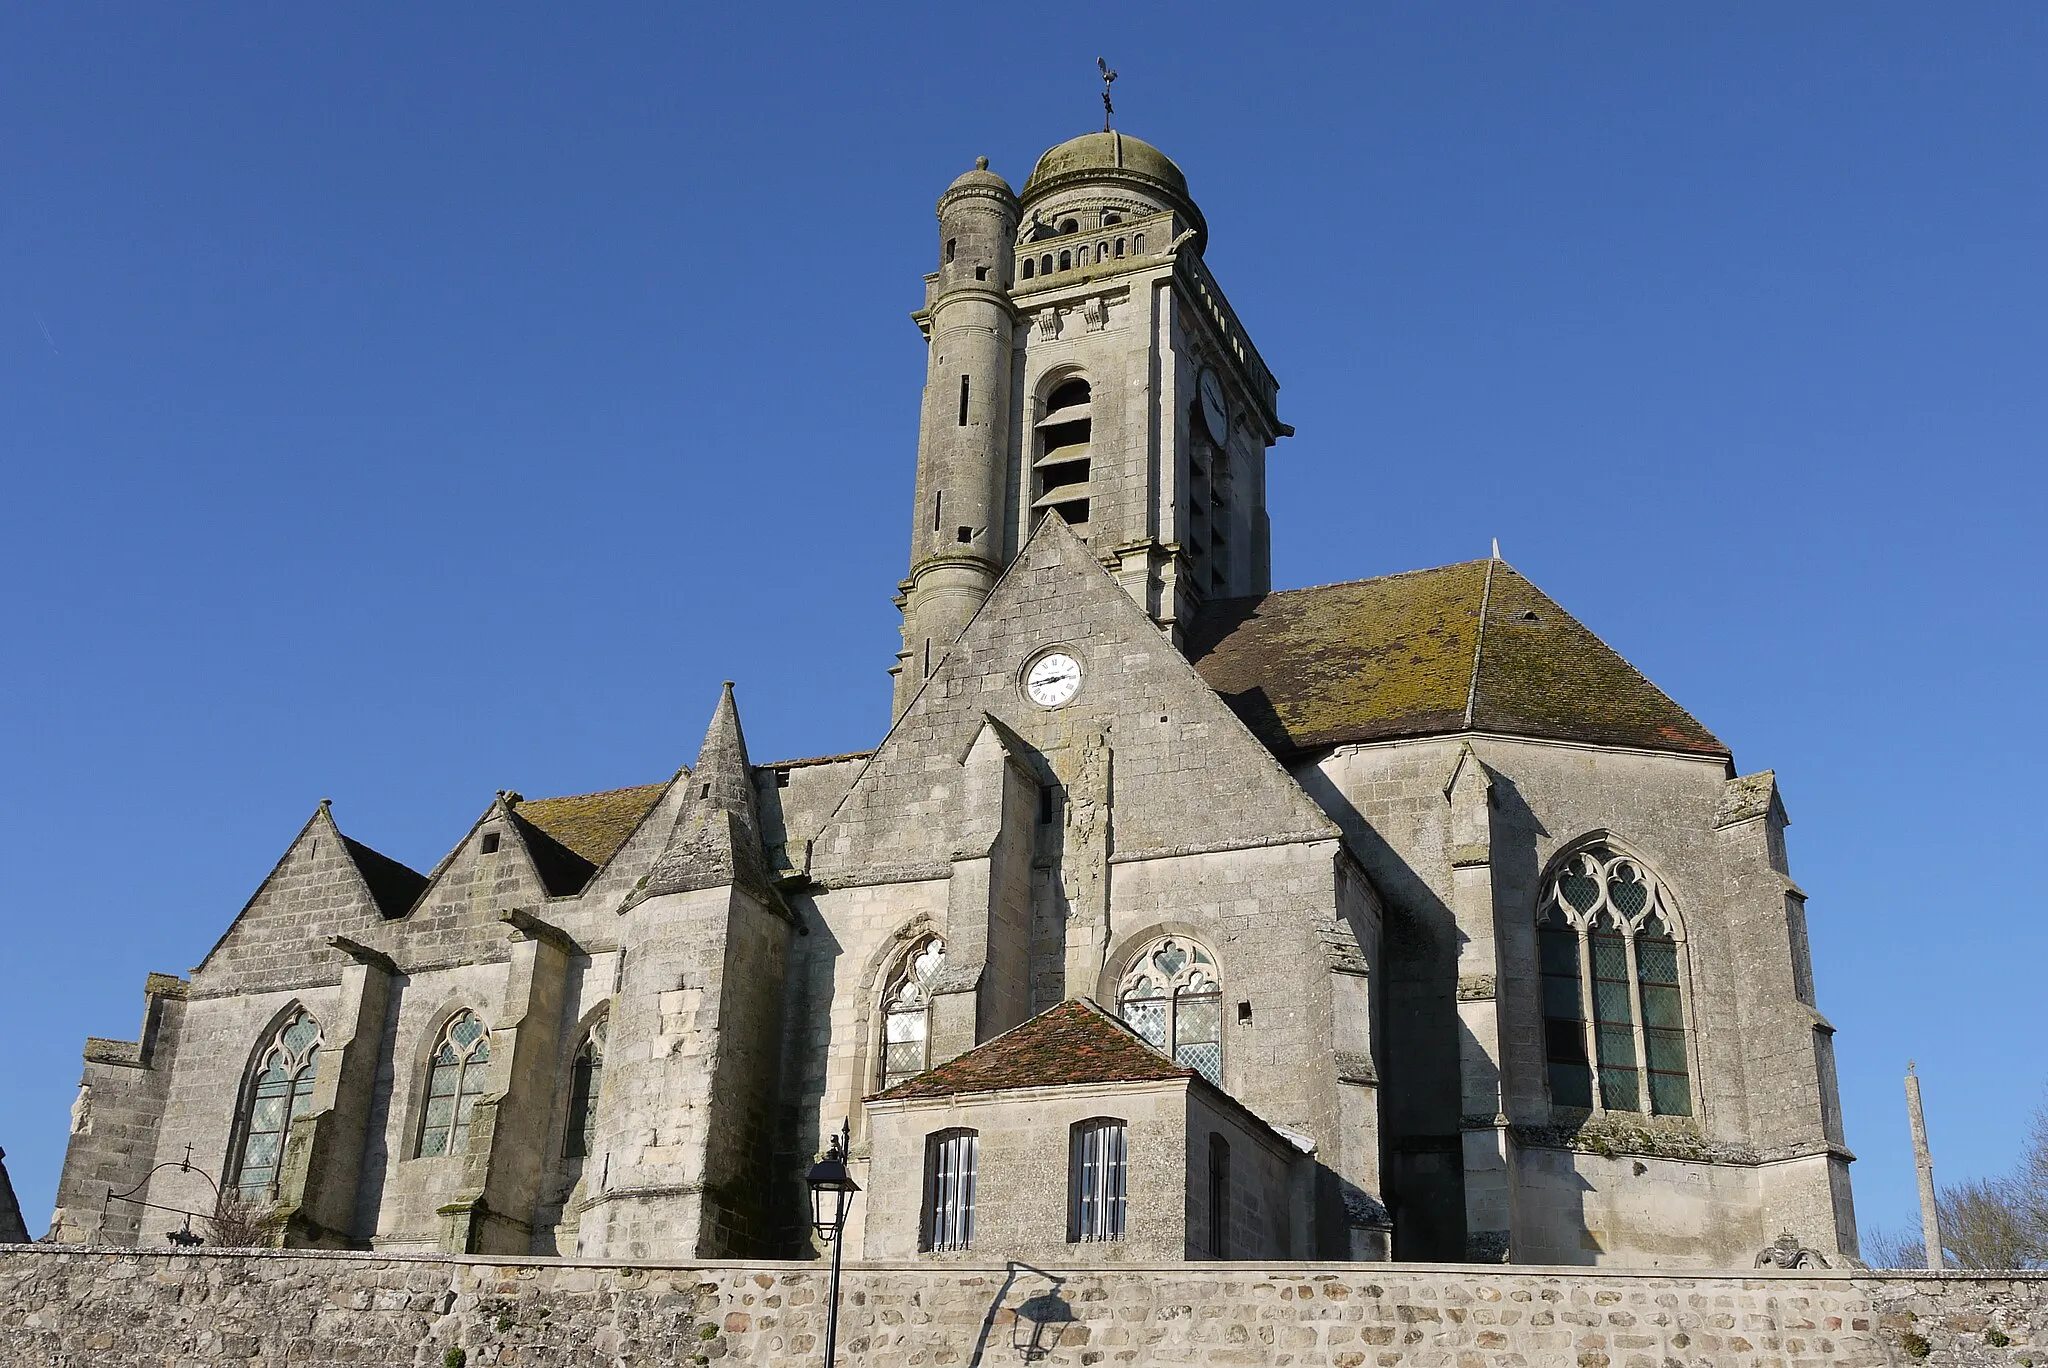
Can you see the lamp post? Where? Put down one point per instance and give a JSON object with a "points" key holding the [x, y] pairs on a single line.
{"points": [[832, 1189]]}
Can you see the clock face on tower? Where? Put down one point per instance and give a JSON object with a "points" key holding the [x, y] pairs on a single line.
{"points": [[1052, 679], [1215, 411]]}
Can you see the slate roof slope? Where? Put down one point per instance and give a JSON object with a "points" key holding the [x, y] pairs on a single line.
{"points": [[1075, 1042], [1473, 646]]}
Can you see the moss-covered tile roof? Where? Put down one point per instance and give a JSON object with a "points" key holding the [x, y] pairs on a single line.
{"points": [[1075, 1042], [592, 825], [1414, 655]]}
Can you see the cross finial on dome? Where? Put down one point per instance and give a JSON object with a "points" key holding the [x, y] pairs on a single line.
{"points": [[981, 163], [1108, 78]]}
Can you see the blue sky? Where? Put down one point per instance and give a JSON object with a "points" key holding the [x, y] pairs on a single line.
{"points": [[403, 403]]}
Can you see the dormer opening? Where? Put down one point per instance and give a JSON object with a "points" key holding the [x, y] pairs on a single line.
{"points": [[1064, 458]]}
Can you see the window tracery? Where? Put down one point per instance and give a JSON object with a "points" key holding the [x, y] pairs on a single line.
{"points": [[906, 1019], [1172, 996], [280, 1090], [455, 1079], [1608, 955]]}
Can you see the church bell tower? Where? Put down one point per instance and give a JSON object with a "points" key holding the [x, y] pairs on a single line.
{"points": [[1083, 364]]}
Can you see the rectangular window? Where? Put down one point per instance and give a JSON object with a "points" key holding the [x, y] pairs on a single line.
{"points": [[489, 844], [949, 1159], [963, 401], [1096, 1172]]}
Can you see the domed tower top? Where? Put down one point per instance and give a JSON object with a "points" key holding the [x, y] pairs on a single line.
{"points": [[1114, 160]]}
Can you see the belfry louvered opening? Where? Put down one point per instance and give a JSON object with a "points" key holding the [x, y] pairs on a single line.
{"points": [[1063, 463]]}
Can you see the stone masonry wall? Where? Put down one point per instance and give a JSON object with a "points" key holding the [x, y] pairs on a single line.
{"points": [[70, 1307]]}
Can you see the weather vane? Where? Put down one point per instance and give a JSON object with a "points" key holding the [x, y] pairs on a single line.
{"points": [[1108, 77]]}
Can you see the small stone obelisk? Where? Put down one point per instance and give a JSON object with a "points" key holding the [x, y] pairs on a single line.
{"points": [[1930, 1219]]}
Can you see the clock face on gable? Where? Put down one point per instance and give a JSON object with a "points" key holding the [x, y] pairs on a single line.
{"points": [[1052, 679]]}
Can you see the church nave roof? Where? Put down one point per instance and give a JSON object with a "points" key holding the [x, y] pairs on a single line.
{"points": [[1414, 655]]}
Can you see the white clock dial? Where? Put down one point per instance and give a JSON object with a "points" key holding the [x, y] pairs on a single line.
{"points": [[1215, 411], [1052, 679]]}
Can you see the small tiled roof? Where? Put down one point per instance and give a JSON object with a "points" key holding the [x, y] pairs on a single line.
{"points": [[1075, 1042], [1415, 655], [592, 825]]}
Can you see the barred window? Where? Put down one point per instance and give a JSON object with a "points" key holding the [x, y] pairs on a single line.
{"points": [[949, 1161], [1612, 1003], [1172, 996], [280, 1089], [455, 1080], [906, 1017], [586, 1077], [1096, 1173]]}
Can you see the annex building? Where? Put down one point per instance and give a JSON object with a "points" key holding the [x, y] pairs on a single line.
{"points": [[1171, 916]]}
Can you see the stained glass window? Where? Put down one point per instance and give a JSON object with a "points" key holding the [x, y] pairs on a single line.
{"points": [[906, 1018], [586, 1077], [1605, 939], [1663, 1019], [1564, 1014], [1096, 1175], [455, 1079], [1171, 996], [280, 1090]]}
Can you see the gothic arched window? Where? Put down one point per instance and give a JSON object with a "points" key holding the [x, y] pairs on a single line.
{"points": [[1608, 953], [280, 1089], [455, 1079], [586, 1077], [906, 1015], [1172, 997]]}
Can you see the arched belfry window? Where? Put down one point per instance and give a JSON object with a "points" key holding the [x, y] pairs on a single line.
{"points": [[280, 1088], [906, 1018], [455, 1079], [1608, 950], [1171, 995], [586, 1078], [1064, 450]]}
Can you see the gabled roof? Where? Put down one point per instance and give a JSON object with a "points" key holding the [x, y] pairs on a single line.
{"points": [[591, 825], [1468, 647], [1075, 1042]]}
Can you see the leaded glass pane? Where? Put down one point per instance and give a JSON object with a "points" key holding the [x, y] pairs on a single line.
{"points": [[1626, 891], [1169, 959], [302, 1092], [301, 1033], [1579, 888], [466, 1031], [1663, 1022], [1198, 1032], [1614, 1021], [1147, 1016]]}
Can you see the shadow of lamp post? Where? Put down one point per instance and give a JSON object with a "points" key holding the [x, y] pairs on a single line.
{"points": [[1048, 1315], [832, 1189]]}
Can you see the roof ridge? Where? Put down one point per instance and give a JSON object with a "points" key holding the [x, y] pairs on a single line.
{"points": [[1364, 579], [524, 801], [1479, 646]]}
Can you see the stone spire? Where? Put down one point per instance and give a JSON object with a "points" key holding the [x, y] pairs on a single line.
{"points": [[717, 836]]}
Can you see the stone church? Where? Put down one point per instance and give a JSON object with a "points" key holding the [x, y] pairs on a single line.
{"points": [[1172, 916]]}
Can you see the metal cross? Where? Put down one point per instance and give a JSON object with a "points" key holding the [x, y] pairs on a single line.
{"points": [[1108, 77]]}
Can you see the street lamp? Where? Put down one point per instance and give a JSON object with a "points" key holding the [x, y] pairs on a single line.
{"points": [[832, 1189]]}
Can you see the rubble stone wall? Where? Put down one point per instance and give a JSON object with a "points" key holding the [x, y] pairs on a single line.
{"points": [[112, 1308]]}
